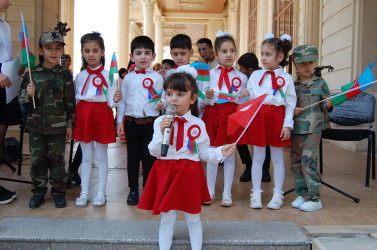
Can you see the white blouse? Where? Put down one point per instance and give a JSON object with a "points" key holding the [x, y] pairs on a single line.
{"points": [[289, 102], [205, 151], [5, 41], [90, 93], [235, 77], [135, 96]]}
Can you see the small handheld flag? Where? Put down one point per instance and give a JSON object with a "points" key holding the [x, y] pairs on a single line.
{"points": [[203, 70], [224, 97], [360, 84], [156, 98], [113, 70]]}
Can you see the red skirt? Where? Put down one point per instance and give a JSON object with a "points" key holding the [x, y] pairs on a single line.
{"points": [[216, 119], [94, 122], [175, 185], [266, 127]]}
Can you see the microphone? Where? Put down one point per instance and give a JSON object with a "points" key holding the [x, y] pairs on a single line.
{"points": [[170, 113]]}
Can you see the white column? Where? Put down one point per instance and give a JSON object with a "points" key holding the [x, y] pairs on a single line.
{"points": [[159, 42], [264, 21], [244, 27], [232, 17], [67, 16], [134, 30], [123, 33], [148, 9]]}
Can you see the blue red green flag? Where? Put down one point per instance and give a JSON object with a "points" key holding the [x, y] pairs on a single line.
{"points": [[113, 69], [223, 98], [27, 57], [203, 70]]}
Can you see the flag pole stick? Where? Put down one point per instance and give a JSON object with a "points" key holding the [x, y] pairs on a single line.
{"points": [[247, 126], [27, 51], [342, 93]]}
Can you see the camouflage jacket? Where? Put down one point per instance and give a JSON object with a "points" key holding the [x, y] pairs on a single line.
{"points": [[54, 110], [313, 119]]}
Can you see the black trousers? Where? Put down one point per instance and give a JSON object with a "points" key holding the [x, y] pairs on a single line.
{"points": [[138, 136], [245, 156]]}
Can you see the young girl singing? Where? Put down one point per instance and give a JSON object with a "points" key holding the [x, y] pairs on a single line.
{"points": [[224, 79], [272, 124], [94, 118], [177, 181]]}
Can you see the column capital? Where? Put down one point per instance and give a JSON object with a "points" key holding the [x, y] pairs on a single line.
{"points": [[148, 5], [159, 21], [233, 5]]}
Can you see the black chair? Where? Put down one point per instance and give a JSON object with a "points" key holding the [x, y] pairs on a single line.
{"points": [[357, 112]]}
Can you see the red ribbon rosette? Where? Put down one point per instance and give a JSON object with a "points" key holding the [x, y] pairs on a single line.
{"points": [[280, 82], [98, 82], [148, 84], [236, 83], [193, 133]]}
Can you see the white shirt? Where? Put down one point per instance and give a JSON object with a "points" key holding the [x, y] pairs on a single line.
{"points": [[90, 92], [289, 102], [214, 84], [205, 151], [5, 41], [135, 96]]}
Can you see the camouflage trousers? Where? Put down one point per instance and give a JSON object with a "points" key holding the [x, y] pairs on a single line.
{"points": [[304, 157], [47, 154]]}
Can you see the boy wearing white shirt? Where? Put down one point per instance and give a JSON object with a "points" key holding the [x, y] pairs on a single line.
{"points": [[140, 106]]}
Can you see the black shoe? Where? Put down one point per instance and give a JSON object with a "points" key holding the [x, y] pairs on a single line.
{"points": [[246, 176], [4, 191], [5, 198], [36, 201], [59, 200], [133, 198], [73, 178], [266, 177]]}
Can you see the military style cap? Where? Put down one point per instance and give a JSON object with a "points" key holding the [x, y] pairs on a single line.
{"points": [[305, 53], [49, 37]]}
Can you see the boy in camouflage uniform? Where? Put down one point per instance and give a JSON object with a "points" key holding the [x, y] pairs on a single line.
{"points": [[50, 123], [308, 125]]}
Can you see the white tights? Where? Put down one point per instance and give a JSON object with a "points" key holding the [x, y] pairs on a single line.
{"points": [[165, 234], [229, 166], [86, 165], [279, 171]]}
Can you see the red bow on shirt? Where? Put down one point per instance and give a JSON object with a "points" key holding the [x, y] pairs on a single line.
{"points": [[181, 124], [175, 66], [273, 79], [96, 72], [224, 77], [140, 71]]}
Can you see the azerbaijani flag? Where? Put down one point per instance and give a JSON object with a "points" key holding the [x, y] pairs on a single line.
{"points": [[113, 69], [366, 78], [203, 71], [223, 98], [201, 95], [156, 98], [244, 115], [27, 56]]}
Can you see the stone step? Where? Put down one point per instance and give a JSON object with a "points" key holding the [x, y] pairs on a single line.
{"points": [[52, 233]]}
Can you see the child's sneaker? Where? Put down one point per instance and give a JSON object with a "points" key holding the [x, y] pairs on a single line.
{"points": [[310, 206], [83, 200], [276, 201], [255, 200], [298, 201], [212, 199], [227, 200], [100, 200]]}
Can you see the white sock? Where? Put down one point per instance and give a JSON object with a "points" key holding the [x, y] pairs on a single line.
{"points": [[279, 170], [229, 166], [103, 169], [211, 176], [195, 230], [165, 234], [86, 165], [259, 154]]}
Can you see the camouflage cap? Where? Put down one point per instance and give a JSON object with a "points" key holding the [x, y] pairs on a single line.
{"points": [[49, 37], [305, 53]]}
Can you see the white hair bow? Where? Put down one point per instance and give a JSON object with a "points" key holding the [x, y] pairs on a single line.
{"points": [[221, 34]]}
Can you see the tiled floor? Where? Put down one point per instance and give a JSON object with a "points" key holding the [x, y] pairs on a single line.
{"points": [[343, 169]]}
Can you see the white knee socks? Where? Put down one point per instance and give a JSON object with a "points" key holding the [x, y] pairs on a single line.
{"points": [[86, 166], [259, 155], [195, 230], [279, 170], [165, 234], [229, 166]]}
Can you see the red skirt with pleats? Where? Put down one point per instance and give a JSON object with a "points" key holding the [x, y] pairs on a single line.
{"points": [[175, 185], [94, 122], [216, 119], [266, 127]]}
